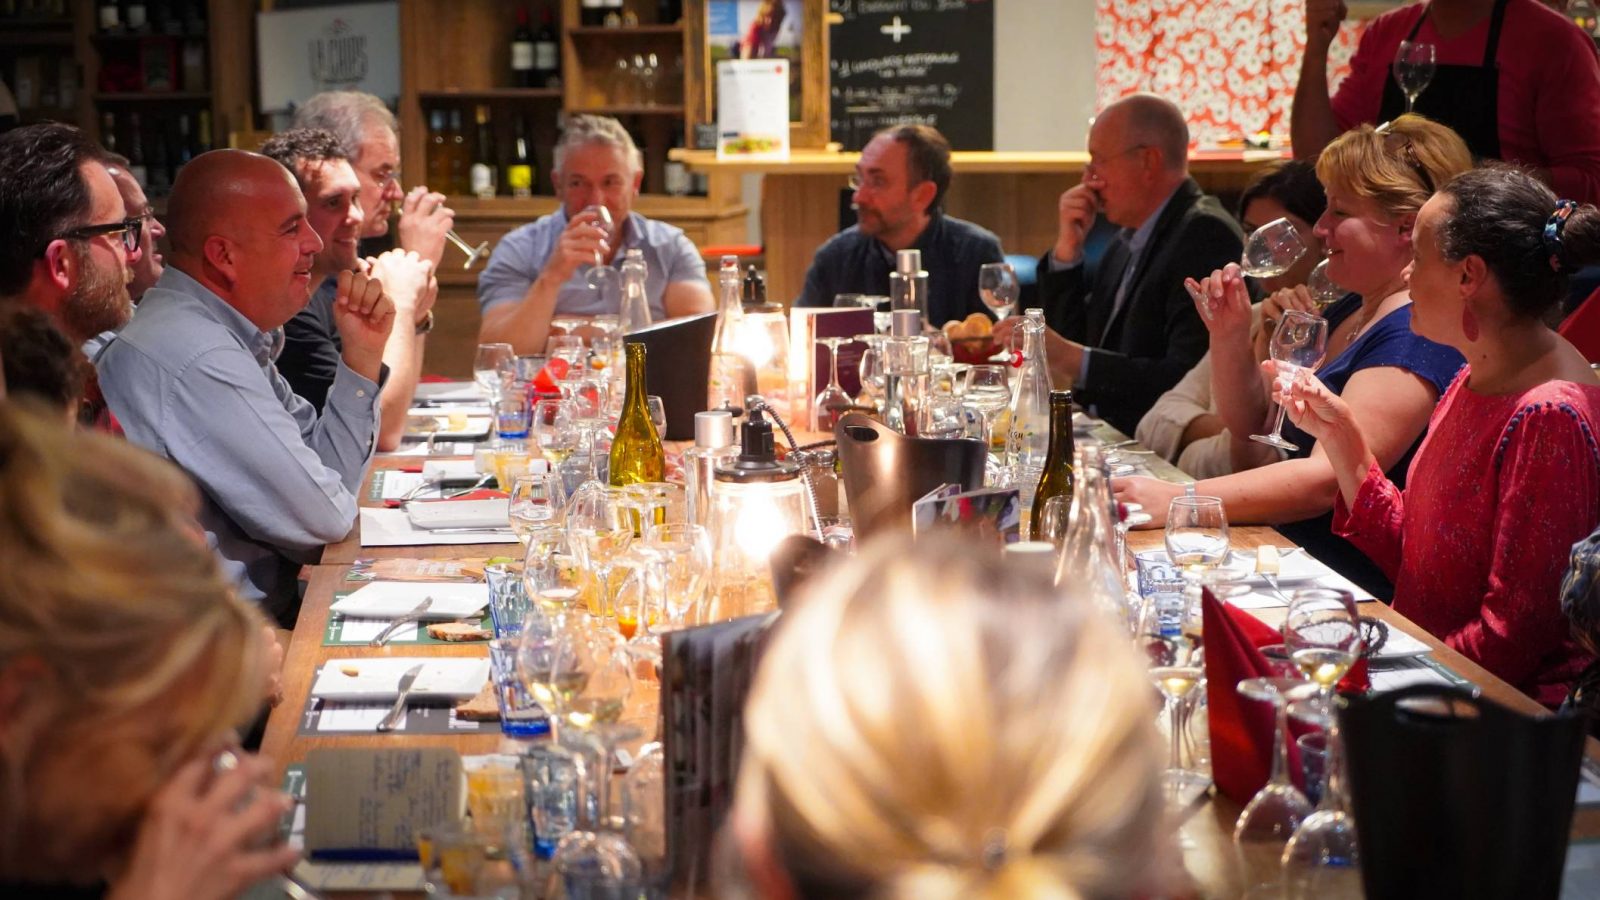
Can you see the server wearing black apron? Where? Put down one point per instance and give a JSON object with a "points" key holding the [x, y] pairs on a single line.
{"points": [[1466, 98]]}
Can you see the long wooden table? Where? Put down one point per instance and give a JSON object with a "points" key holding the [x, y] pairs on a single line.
{"points": [[1218, 868]]}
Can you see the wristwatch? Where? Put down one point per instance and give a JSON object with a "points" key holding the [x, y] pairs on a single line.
{"points": [[426, 325]]}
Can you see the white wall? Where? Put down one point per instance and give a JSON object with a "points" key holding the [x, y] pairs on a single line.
{"points": [[1043, 74]]}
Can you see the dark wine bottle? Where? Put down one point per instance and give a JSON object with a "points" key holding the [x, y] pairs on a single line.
{"points": [[522, 52], [546, 52], [1056, 478]]}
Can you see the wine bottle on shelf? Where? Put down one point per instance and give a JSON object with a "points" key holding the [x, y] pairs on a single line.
{"points": [[110, 16], [133, 16], [185, 140], [668, 12], [519, 175], [547, 52], [160, 162], [1056, 478], [202, 134], [438, 153], [614, 16], [460, 156], [108, 132], [135, 154], [486, 166], [522, 67], [636, 452], [194, 17], [592, 14]]}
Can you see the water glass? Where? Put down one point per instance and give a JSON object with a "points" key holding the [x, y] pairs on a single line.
{"points": [[1314, 763], [512, 416], [520, 715], [491, 366], [508, 599]]}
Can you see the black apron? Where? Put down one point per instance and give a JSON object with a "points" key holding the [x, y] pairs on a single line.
{"points": [[1466, 98]]}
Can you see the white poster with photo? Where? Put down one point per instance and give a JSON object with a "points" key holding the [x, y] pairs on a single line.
{"points": [[355, 47], [753, 109]]}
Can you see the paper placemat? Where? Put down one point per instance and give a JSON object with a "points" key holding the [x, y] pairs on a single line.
{"points": [[322, 717], [391, 528], [342, 632]]}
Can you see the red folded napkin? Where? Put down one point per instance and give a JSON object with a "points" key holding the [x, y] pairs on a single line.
{"points": [[553, 371], [1241, 730], [415, 470]]}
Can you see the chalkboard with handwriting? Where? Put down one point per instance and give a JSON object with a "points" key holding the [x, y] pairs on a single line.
{"points": [[925, 61]]}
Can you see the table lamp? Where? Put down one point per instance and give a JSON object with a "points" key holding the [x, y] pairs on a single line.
{"points": [[756, 502]]}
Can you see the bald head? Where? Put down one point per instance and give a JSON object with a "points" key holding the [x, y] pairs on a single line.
{"points": [[220, 193], [1152, 121]]}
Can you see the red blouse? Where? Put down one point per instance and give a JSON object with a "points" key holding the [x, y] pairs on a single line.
{"points": [[1477, 544]]}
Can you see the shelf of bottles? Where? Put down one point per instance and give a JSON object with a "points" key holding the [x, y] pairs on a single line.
{"points": [[36, 37]]}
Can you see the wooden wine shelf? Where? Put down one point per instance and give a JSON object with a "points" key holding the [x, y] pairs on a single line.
{"points": [[153, 97], [583, 31], [657, 110], [509, 93]]}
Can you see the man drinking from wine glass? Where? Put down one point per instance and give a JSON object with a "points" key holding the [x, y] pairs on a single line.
{"points": [[312, 346], [541, 269], [1127, 332], [192, 379], [899, 189], [1517, 80]]}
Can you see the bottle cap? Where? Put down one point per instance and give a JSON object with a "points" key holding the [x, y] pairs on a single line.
{"points": [[905, 323], [713, 428], [908, 262]]}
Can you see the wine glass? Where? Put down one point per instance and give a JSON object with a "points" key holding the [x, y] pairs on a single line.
{"points": [[999, 288], [1278, 808], [987, 395], [1322, 631], [833, 402], [536, 500], [683, 553], [871, 370], [603, 671], [604, 279], [551, 417], [1175, 683], [1323, 289], [1299, 343], [599, 533], [1053, 520], [1322, 858], [1413, 69], [1197, 534], [489, 367], [658, 413], [1272, 249]]}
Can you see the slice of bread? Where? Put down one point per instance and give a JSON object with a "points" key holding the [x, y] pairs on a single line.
{"points": [[481, 708], [458, 631]]}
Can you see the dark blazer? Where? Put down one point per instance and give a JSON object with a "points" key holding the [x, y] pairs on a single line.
{"points": [[1157, 336]]}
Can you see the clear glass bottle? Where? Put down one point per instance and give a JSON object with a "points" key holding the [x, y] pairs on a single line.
{"points": [[636, 452], [635, 304], [713, 446], [1089, 569], [730, 371], [1028, 437]]}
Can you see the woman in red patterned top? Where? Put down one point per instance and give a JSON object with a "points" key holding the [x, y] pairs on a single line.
{"points": [[1509, 474]]}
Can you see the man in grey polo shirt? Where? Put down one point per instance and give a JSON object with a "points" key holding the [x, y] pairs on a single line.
{"points": [[191, 377], [541, 270]]}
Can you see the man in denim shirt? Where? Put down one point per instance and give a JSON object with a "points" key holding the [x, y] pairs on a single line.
{"points": [[191, 377]]}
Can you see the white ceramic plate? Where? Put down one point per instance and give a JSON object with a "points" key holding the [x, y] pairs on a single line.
{"points": [[1400, 645], [378, 680], [1293, 568], [450, 392], [476, 427], [389, 599], [450, 470]]}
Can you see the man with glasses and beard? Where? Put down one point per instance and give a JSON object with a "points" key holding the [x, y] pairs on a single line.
{"points": [[70, 243]]}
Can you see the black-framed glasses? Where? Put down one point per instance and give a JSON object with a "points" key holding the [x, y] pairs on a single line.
{"points": [[131, 229], [1393, 141]]}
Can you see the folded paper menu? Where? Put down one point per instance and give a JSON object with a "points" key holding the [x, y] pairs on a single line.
{"points": [[377, 799], [993, 513]]}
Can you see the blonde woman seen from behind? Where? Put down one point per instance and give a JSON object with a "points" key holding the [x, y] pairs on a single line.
{"points": [[126, 662], [928, 723]]}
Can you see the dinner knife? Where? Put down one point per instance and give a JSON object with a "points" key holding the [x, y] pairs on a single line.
{"points": [[413, 616], [407, 680]]}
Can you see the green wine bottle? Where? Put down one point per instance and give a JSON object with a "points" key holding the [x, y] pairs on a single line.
{"points": [[636, 452], [1056, 479]]}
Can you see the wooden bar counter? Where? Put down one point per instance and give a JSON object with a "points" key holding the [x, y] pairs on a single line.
{"points": [[1012, 194]]}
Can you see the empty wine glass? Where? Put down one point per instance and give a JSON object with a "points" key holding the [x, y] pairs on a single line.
{"points": [[536, 499], [1322, 859], [999, 288], [871, 371], [1413, 69], [1299, 342], [490, 366], [1323, 289], [832, 402], [1278, 808], [683, 552], [604, 279], [1272, 249], [987, 395], [1197, 534]]}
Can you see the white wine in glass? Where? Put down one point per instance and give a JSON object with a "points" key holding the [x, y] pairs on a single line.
{"points": [[1323, 665], [1323, 289], [1413, 69], [1272, 249]]}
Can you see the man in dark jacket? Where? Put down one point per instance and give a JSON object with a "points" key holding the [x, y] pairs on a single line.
{"points": [[1126, 332]]}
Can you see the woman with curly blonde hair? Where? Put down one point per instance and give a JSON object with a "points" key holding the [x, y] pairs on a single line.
{"points": [[930, 723], [126, 661]]}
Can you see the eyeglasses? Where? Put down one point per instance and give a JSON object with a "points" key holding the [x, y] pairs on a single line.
{"points": [[1393, 140], [1097, 163], [131, 229], [872, 182]]}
